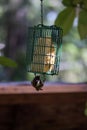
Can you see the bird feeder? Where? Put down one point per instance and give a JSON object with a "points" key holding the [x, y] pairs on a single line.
{"points": [[43, 51]]}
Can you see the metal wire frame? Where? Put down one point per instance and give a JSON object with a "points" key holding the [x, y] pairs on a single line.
{"points": [[44, 49]]}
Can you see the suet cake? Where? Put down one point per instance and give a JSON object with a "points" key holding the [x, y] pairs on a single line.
{"points": [[44, 55]]}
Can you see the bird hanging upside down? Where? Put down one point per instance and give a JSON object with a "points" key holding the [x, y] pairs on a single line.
{"points": [[37, 83]]}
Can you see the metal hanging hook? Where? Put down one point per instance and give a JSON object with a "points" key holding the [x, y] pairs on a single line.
{"points": [[41, 12]]}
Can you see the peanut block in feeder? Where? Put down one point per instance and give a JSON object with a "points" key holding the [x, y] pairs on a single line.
{"points": [[43, 55]]}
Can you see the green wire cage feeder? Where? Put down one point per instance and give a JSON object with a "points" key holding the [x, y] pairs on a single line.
{"points": [[43, 51]]}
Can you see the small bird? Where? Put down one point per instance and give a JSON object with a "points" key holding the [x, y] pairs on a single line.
{"points": [[37, 83]]}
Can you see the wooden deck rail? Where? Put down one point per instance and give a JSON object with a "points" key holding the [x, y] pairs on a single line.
{"points": [[25, 93], [25, 87], [56, 107]]}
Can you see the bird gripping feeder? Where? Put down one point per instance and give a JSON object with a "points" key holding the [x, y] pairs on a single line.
{"points": [[43, 51]]}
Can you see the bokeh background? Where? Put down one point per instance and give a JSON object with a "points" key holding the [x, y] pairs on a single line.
{"points": [[16, 16]]}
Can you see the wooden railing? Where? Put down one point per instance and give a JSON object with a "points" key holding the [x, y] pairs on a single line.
{"points": [[18, 89], [57, 106]]}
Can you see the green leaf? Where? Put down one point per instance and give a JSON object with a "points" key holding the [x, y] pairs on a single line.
{"points": [[85, 4], [75, 2], [85, 111], [65, 19], [67, 2], [82, 24], [7, 62]]}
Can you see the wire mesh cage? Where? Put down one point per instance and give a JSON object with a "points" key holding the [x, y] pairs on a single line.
{"points": [[44, 49]]}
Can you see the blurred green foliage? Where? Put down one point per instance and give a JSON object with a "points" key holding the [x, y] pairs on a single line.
{"points": [[74, 8], [65, 19], [4, 61], [85, 111]]}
